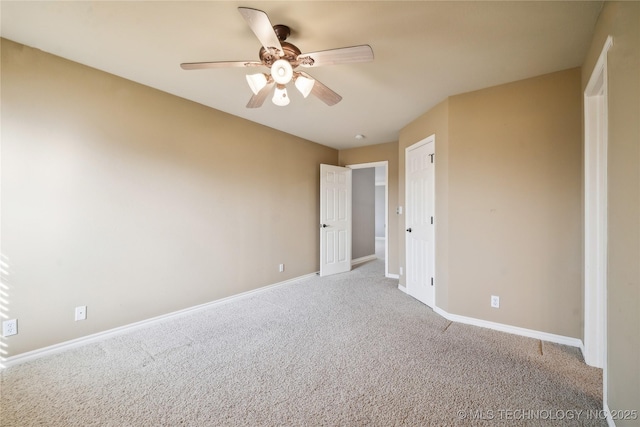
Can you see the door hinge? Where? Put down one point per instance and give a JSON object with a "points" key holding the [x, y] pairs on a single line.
{"points": [[432, 281], [431, 220], [431, 155]]}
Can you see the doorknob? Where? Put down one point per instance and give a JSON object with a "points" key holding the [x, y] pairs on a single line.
{"points": [[409, 229], [324, 225]]}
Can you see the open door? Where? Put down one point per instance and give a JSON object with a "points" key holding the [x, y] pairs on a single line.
{"points": [[335, 219]]}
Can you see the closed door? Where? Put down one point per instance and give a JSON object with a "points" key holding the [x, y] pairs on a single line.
{"points": [[335, 219], [420, 221]]}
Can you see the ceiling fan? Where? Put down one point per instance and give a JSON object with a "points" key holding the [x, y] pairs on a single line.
{"points": [[283, 59]]}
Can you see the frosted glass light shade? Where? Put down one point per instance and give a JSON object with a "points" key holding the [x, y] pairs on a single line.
{"points": [[280, 96], [281, 71], [304, 85], [256, 82]]}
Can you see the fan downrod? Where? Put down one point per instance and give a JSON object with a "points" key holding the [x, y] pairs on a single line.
{"points": [[282, 32]]}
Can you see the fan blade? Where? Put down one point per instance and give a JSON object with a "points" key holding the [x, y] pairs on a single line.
{"points": [[261, 26], [321, 91], [218, 64], [344, 55], [258, 99]]}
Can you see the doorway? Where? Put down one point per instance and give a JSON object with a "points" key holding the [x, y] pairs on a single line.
{"points": [[377, 234]]}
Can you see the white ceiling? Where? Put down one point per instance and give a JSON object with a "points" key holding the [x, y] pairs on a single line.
{"points": [[424, 52]]}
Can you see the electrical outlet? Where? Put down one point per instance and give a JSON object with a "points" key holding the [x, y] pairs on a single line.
{"points": [[495, 301], [9, 327], [281, 268], [81, 312]]}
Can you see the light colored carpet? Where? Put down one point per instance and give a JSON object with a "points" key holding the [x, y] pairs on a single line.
{"points": [[346, 350]]}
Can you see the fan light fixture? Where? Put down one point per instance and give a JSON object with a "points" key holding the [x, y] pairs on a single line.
{"points": [[281, 71], [256, 82], [282, 57], [304, 85], [280, 97]]}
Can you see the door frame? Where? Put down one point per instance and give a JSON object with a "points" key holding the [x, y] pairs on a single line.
{"points": [[384, 163], [430, 139], [595, 215]]}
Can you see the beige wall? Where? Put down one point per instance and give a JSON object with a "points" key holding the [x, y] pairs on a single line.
{"points": [[378, 153], [137, 203], [515, 214], [508, 202], [621, 20]]}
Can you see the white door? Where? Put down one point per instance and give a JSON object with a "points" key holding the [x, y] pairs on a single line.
{"points": [[419, 221], [335, 219]]}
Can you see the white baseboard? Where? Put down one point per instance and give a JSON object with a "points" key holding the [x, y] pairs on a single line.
{"points": [[380, 238], [393, 276], [100, 336], [363, 259], [516, 330], [67, 345]]}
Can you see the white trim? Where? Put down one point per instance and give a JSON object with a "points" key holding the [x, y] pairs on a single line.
{"points": [[100, 336], [515, 330], [601, 65], [530, 333], [595, 209], [595, 217], [381, 163], [393, 276], [363, 259], [368, 165]]}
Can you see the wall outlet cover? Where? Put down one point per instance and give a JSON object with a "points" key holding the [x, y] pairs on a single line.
{"points": [[81, 312], [495, 301], [9, 327]]}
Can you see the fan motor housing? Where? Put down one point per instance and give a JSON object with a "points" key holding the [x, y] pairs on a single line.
{"points": [[291, 53]]}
